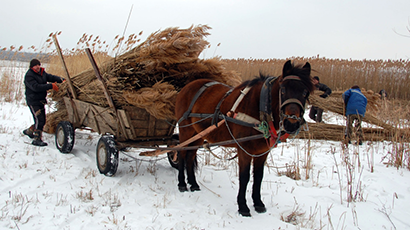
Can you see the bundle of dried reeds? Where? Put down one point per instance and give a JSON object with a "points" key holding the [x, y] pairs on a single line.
{"points": [[373, 99], [335, 104], [336, 133], [168, 60], [158, 100]]}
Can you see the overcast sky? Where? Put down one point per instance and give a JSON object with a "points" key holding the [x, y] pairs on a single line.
{"points": [[357, 29]]}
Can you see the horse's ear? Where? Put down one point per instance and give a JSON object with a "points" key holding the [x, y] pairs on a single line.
{"points": [[307, 67], [288, 66]]}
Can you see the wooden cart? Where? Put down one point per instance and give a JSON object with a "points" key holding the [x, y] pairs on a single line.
{"points": [[119, 128]]}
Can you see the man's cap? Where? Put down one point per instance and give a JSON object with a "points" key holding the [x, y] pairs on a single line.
{"points": [[34, 62]]}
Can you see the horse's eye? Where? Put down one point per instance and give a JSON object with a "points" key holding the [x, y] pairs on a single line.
{"points": [[283, 91]]}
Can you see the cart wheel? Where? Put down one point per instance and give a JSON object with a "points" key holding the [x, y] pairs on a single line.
{"points": [[173, 162], [107, 156], [64, 137]]}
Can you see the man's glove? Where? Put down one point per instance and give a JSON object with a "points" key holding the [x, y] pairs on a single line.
{"points": [[55, 87], [323, 95]]}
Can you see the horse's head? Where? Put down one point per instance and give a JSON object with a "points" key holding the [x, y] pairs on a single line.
{"points": [[295, 86]]}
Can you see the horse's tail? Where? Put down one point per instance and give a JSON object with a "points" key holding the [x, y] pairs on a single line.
{"points": [[194, 160]]}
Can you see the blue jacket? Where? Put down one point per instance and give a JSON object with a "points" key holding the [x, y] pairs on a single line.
{"points": [[356, 102]]}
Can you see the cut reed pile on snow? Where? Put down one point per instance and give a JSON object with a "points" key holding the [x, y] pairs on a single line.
{"points": [[321, 131], [374, 115], [150, 75], [335, 104]]}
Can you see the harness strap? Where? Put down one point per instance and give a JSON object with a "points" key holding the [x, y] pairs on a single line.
{"points": [[291, 77], [229, 119], [274, 139], [246, 118], [240, 98], [265, 109], [200, 91], [217, 109], [292, 100]]}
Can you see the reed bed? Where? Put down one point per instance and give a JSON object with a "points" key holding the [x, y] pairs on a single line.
{"points": [[339, 74]]}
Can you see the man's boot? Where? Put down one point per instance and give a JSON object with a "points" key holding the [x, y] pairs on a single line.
{"points": [[29, 132], [37, 138]]}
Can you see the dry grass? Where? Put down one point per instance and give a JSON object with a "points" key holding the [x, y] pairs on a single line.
{"points": [[339, 74], [11, 88]]}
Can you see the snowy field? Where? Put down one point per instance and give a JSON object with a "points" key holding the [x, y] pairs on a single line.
{"points": [[41, 188]]}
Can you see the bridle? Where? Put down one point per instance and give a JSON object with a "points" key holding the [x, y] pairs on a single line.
{"points": [[265, 109], [282, 92]]}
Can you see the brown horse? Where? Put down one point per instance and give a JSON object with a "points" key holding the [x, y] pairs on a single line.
{"points": [[273, 105]]}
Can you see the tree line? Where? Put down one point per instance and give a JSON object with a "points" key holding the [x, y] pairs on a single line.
{"points": [[22, 56]]}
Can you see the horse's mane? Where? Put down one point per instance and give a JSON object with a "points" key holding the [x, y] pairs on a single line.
{"points": [[254, 81]]}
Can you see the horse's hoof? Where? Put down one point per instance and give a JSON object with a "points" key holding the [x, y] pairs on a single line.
{"points": [[244, 213], [195, 188], [260, 209], [182, 189], [244, 210]]}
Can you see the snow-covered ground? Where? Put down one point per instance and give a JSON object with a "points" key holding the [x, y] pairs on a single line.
{"points": [[41, 188]]}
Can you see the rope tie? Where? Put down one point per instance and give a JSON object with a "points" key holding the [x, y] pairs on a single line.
{"points": [[264, 128]]}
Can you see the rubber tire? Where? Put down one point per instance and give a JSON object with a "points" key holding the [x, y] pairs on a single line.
{"points": [[64, 137], [107, 156], [174, 164]]}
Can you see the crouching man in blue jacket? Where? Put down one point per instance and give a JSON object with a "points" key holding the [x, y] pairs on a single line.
{"points": [[355, 104]]}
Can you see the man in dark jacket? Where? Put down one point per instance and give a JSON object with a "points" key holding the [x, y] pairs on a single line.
{"points": [[316, 112], [36, 82], [355, 104]]}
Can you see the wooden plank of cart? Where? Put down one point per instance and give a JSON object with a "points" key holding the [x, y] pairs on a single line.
{"points": [[129, 126]]}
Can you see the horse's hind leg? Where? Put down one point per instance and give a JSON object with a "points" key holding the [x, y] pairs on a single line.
{"points": [[187, 161], [244, 176], [181, 172], [258, 166], [191, 164]]}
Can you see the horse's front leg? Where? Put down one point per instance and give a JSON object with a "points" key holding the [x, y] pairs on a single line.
{"points": [[191, 165], [181, 171], [244, 175], [258, 166]]}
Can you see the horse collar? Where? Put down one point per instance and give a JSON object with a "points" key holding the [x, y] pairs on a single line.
{"points": [[265, 112], [265, 101]]}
